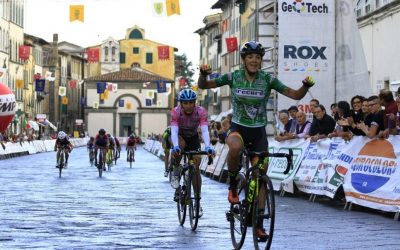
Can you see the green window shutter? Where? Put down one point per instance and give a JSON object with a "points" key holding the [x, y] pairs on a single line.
{"points": [[135, 50], [149, 58], [121, 57]]}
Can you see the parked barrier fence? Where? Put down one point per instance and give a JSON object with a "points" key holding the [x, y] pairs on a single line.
{"points": [[368, 170]]}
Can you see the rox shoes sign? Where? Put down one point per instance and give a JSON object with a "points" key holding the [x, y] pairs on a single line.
{"points": [[304, 52], [300, 6]]}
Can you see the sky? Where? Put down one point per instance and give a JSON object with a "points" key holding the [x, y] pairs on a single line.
{"points": [[105, 18]]}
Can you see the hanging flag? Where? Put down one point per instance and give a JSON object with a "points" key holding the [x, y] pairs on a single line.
{"points": [[114, 87], [24, 52], [93, 55], [72, 84], [195, 88], [224, 26], [105, 94], [150, 94], [25, 124], [173, 7], [158, 8], [64, 100], [231, 44], [146, 84], [96, 105], [39, 85], [128, 105], [102, 98], [19, 83], [148, 102], [109, 86], [163, 52], [83, 101], [37, 76], [168, 89], [62, 91], [121, 103], [182, 82], [101, 86], [161, 86], [47, 75], [76, 12]]}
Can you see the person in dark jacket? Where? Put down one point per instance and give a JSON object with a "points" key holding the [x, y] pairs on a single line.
{"points": [[322, 125]]}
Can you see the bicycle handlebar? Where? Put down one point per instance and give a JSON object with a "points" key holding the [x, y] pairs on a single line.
{"points": [[195, 152], [288, 156]]}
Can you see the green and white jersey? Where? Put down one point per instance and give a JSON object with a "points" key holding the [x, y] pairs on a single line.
{"points": [[249, 99]]}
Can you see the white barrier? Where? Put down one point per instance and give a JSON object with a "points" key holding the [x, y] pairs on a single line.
{"points": [[370, 177]]}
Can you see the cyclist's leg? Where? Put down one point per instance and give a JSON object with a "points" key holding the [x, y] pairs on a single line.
{"points": [[193, 143], [235, 144], [96, 151], [66, 151], [176, 159], [58, 155]]}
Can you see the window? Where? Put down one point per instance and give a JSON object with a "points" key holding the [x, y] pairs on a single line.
{"points": [[367, 9], [106, 53], [113, 54], [377, 4], [135, 50], [122, 57], [359, 12], [149, 58]]}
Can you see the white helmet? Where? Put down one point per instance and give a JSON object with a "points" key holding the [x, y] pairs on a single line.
{"points": [[61, 135]]}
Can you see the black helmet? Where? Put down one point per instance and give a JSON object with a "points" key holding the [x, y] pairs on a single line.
{"points": [[102, 131], [252, 47]]}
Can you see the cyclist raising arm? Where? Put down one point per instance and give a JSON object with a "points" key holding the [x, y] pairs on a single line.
{"points": [[250, 90], [185, 120]]}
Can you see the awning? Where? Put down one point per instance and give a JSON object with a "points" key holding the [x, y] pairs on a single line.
{"points": [[33, 125]]}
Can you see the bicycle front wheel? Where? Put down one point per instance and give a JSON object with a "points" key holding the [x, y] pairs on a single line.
{"points": [[194, 203], [237, 216], [181, 203], [264, 214]]}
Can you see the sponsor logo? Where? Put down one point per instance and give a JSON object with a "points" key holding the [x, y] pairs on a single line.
{"points": [[300, 6], [304, 52], [250, 93], [373, 167], [305, 58], [7, 104]]}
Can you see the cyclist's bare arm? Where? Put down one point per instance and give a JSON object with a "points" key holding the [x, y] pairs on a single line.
{"points": [[295, 94], [203, 83]]}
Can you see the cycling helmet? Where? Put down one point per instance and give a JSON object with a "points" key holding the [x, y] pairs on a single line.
{"points": [[252, 47], [187, 95], [61, 135], [102, 131], [132, 136]]}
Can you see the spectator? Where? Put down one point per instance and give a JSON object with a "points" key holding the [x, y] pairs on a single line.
{"points": [[293, 121], [322, 125], [390, 114], [302, 128], [356, 104], [367, 116], [343, 128], [213, 133], [377, 121], [334, 111]]}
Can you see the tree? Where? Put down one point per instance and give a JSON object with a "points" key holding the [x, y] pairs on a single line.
{"points": [[184, 68]]}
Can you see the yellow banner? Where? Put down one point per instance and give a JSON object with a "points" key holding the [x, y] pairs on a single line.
{"points": [[105, 94], [76, 134], [128, 105], [76, 12], [64, 100], [173, 7], [19, 83]]}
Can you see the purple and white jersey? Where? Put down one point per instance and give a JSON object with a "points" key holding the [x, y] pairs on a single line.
{"points": [[188, 124]]}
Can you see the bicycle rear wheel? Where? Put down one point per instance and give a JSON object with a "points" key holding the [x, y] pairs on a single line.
{"points": [[194, 203], [181, 204], [100, 165], [237, 216], [264, 215]]}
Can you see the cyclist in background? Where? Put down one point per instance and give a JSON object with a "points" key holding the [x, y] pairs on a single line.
{"points": [[111, 144], [166, 144], [186, 118], [130, 144], [250, 90], [90, 144], [100, 141], [118, 147], [62, 142]]}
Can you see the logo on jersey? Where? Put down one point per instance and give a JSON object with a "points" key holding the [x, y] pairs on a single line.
{"points": [[259, 94], [251, 111]]}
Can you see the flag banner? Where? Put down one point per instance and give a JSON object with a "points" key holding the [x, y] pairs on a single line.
{"points": [[161, 86], [80, 82], [195, 88], [39, 85], [110, 86], [83, 101], [163, 52], [72, 84], [25, 124], [19, 83], [62, 91], [93, 55], [231, 44], [146, 84], [96, 105], [182, 82], [121, 103], [47, 75], [224, 26], [102, 98], [173, 7], [148, 102], [158, 8], [24, 52], [128, 105], [114, 87], [64, 100], [105, 94], [76, 13], [150, 94], [101, 87], [37, 76], [169, 88]]}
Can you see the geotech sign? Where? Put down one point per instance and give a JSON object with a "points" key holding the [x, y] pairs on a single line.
{"points": [[300, 6]]}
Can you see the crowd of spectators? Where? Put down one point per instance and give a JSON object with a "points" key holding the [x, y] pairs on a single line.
{"points": [[373, 116]]}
